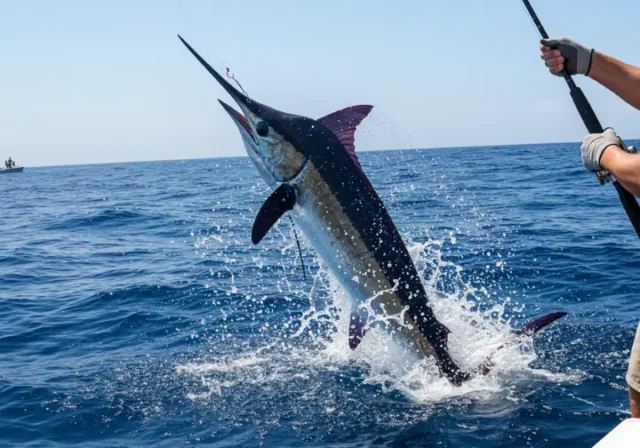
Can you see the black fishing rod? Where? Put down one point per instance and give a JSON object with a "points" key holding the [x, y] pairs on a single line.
{"points": [[593, 125]]}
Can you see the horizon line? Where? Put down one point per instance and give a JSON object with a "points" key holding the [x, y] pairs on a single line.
{"points": [[360, 151]]}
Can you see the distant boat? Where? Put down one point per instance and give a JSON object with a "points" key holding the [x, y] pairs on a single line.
{"points": [[17, 169], [11, 167]]}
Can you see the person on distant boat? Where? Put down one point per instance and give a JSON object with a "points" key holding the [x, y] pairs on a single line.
{"points": [[603, 151], [10, 163]]}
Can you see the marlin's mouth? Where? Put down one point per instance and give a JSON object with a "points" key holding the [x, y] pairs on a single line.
{"points": [[238, 118]]}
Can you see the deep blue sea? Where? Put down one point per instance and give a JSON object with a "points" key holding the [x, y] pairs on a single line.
{"points": [[134, 310]]}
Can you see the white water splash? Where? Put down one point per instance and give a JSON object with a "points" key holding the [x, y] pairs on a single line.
{"points": [[476, 336]]}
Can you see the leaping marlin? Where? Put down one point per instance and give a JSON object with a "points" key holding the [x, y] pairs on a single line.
{"points": [[315, 168]]}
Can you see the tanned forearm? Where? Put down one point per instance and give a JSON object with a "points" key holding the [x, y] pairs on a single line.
{"points": [[623, 79], [624, 166]]}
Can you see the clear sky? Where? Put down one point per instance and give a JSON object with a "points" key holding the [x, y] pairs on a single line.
{"points": [[88, 81]]}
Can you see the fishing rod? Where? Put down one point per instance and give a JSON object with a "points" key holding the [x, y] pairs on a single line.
{"points": [[593, 125]]}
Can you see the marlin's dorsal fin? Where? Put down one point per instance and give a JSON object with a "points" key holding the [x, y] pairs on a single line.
{"points": [[280, 202], [343, 124]]}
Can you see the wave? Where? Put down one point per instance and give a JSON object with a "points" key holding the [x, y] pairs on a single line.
{"points": [[110, 218]]}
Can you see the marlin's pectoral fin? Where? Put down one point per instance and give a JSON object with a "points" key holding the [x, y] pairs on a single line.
{"points": [[357, 322], [280, 202]]}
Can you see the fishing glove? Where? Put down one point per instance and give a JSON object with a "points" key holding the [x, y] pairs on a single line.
{"points": [[577, 57], [594, 146]]}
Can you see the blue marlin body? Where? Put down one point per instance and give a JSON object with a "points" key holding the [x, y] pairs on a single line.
{"points": [[315, 173]]}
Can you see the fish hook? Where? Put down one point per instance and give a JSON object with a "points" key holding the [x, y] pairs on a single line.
{"points": [[232, 76]]}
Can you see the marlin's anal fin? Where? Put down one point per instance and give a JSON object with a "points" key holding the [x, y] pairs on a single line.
{"points": [[343, 124], [357, 322], [280, 202]]}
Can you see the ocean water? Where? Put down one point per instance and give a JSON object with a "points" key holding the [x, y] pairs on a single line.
{"points": [[134, 310]]}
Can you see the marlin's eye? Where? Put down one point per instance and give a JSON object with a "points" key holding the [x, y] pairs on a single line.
{"points": [[262, 129]]}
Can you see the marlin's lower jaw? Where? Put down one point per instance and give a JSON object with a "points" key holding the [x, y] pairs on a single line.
{"points": [[239, 119]]}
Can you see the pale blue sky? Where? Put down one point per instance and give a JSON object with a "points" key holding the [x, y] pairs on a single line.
{"points": [[85, 81]]}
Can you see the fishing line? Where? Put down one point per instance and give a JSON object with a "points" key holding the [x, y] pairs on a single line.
{"points": [[231, 76], [197, 28], [293, 226]]}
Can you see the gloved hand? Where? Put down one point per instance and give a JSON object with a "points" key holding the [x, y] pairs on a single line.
{"points": [[564, 53], [594, 146]]}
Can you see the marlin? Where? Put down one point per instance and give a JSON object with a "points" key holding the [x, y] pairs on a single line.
{"points": [[315, 173]]}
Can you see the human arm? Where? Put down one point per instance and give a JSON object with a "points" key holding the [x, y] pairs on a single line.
{"points": [[621, 78], [624, 166], [603, 152]]}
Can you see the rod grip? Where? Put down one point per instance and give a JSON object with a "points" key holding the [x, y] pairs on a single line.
{"points": [[586, 111], [630, 205]]}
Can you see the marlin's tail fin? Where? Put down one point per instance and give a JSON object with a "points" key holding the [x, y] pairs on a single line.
{"points": [[536, 325], [528, 330]]}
